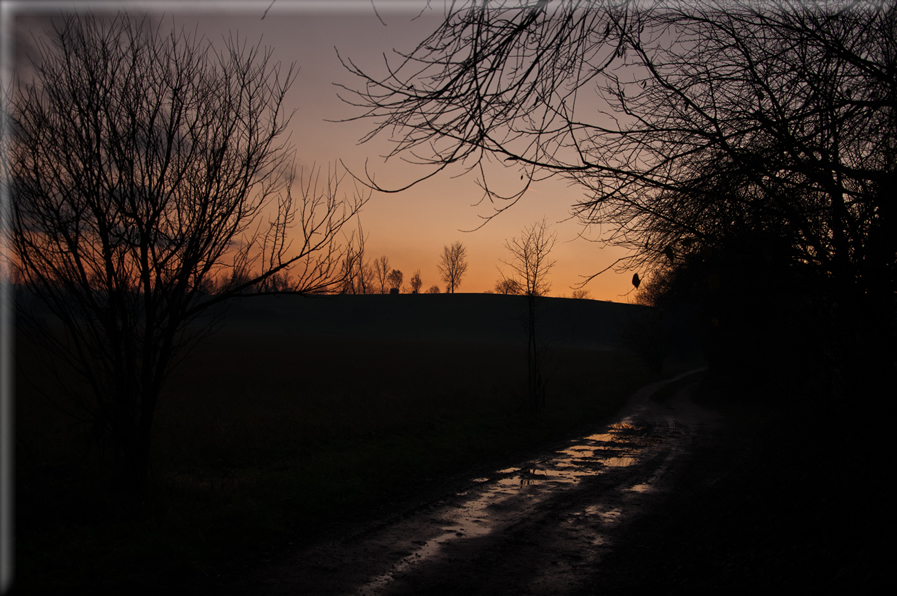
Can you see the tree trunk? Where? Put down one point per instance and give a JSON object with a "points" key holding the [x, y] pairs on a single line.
{"points": [[131, 441], [534, 366]]}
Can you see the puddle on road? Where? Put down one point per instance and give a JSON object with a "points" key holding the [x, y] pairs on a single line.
{"points": [[518, 490], [641, 488]]}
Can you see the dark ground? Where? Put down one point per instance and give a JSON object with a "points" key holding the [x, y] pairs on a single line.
{"points": [[789, 499], [764, 498], [775, 496]]}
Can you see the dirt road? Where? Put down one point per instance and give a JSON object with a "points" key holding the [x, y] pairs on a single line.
{"points": [[540, 527]]}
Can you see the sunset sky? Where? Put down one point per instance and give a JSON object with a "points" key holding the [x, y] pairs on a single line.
{"points": [[410, 227]]}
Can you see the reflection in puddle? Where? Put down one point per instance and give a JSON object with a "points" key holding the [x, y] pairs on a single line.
{"points": [[469, 520], [515, 491], [606, 514], [619, 462]]}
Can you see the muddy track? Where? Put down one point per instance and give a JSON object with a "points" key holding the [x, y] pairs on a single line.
{"points": [[540, 527]]}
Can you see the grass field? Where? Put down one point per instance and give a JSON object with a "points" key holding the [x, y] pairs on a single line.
{"points": [[266, 440]]}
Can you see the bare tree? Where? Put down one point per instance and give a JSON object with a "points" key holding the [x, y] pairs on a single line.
{"points": [[381, 270], [723, 114], [453, 265], [508, 286], [531, 264], [366, 283], [433, 290], [394, 280], [582, 294], [141, 165], [416, 282], [358, 273], [752, 129]]}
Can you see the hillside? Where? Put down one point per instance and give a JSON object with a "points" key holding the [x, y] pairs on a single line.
{"points": [[483, 318]]}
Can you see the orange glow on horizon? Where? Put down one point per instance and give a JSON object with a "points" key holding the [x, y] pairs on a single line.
{"points": [[410, 227]]}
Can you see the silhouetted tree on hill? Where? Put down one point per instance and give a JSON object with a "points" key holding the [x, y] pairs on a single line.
{"points": [[531, 264], [508, 286], [453, 266], [530, 261], [381, 270], [394, 280], [416, 282], [358, 273]]}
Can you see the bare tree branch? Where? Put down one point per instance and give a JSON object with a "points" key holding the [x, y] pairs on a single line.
{"points": [[143, 168], [530, 262], [530, 265], [682, 123], [453, 265]]}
